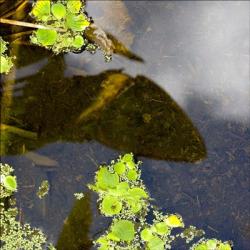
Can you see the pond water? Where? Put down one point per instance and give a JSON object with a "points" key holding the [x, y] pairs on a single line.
{"points": [[184, 112]]}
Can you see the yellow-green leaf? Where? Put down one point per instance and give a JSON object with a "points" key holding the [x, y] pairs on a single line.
{"points": [[41, 10], [58, 10], [46, 37], [174, 221]]}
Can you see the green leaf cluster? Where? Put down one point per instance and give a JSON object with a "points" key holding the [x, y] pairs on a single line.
{"points": [[65, 23], [119, 188], [212, 244], [158, 235], [8, 183], [123, 196], [14, 234], [5, 61]]}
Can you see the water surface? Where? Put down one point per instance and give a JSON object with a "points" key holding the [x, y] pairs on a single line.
{"points": [[184, 113]]}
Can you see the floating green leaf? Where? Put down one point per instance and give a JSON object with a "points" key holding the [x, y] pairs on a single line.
{"points": [[74, 6], [112, 236], [127, 157], [78, 42], [146, 234], [211, 244], [161, 228], [104, 247], [58, 10], [119, 167], [105, 179], [3, 46], [111, 206], [77, 22], [9, 182], [46, 37], [41, 10], [174, 221], [224, 246], [135, 205], [201, 246], [5, 64], [123, 230], [155, 243], [122, 188], [137, 193], [132, 175], [103, 241]]}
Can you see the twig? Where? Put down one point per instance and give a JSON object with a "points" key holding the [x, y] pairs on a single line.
{"points": [[30, 25]]}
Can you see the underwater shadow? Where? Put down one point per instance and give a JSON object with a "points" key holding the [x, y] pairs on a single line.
{"points": [[74, 234], [130, 114]]}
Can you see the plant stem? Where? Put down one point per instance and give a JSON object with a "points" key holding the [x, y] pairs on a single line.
{"points": [[25, 24]]}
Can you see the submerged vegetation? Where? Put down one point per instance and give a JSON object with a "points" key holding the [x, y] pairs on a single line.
{"points": [[13, 233], [124, 197]]}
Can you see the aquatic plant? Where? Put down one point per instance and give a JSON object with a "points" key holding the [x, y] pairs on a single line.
{"points": [[79, 196], [8, 183], [5, 62], [14, 233], [211, 244], [124, 197], [43, 189], [64, 24]]}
